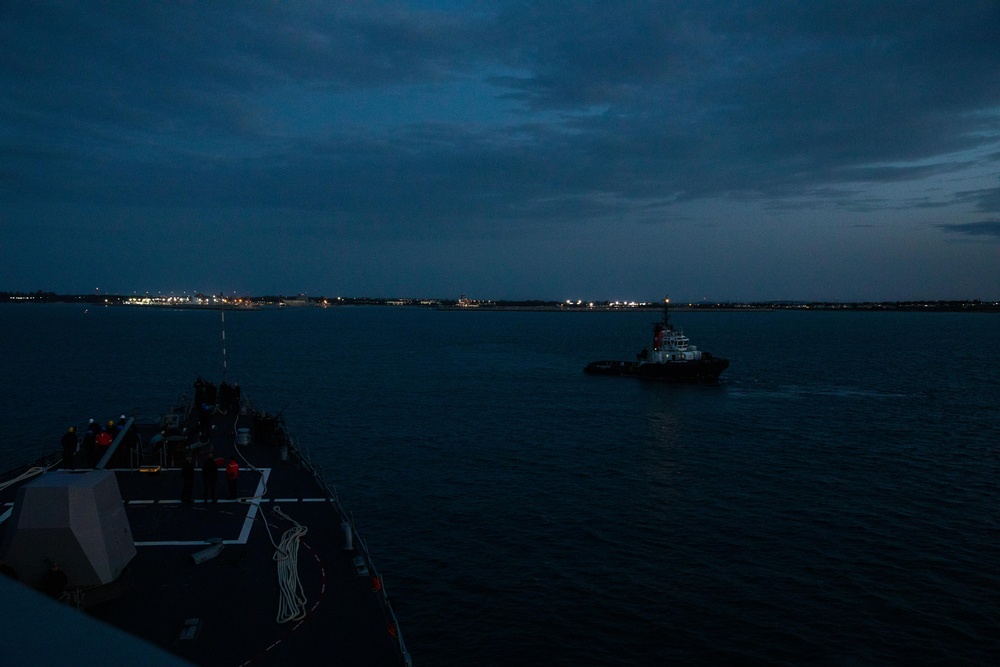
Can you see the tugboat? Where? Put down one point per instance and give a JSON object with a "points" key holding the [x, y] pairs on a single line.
{"points": [[673, 358]]}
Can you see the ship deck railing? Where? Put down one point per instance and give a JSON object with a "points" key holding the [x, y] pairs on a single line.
{"points": [[251, 407]]}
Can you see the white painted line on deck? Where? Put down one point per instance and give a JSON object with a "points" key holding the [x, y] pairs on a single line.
{"points": [[254, 505], [247, 522]]}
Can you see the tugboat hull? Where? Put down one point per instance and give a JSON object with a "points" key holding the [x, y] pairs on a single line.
{"points": [[706, 369], [672, 358]]}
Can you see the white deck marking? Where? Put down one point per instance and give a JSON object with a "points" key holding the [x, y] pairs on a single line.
{"points": [[254, 505], [247, 522]]}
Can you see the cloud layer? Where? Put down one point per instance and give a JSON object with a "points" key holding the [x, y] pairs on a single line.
{"points": [[598, 132]]}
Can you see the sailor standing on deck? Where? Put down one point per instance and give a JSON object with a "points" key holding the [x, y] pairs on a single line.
{"points": [[90, 446], [187, 478], [68, 443], [209, 477], [232, 473], [102, 441], [205, 422]]}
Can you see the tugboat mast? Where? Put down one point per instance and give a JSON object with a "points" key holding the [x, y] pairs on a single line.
{"points": [[666, 313]]}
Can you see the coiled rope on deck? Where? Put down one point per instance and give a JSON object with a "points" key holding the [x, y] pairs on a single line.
{"points": [[292, 599]]}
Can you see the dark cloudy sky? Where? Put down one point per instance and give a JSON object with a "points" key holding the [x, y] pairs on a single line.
{"points": [[539, 149]]}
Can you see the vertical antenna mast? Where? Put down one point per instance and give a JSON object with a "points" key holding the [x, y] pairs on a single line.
{"points": [[223, 311]]}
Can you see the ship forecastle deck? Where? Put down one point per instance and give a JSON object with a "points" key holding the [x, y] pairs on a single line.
{"points": [[220, 605]]}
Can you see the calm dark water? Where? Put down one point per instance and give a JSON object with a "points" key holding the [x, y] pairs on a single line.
{"points": [[833, 501]]}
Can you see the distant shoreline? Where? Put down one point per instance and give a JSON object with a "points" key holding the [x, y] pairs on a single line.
{"points": [[220, 302]]}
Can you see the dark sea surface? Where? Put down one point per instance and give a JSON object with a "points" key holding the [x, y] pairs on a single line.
{"points": [[835, 500]]}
